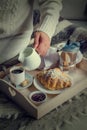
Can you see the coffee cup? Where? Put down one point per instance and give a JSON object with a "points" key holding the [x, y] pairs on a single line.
{"points": [[17, 75], [29, 58]]}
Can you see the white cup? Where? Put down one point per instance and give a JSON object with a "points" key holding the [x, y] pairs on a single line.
{"points": [[29, 58], [17, 75]]}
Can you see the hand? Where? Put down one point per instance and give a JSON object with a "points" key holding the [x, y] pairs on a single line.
{"points": [[41, 42]]}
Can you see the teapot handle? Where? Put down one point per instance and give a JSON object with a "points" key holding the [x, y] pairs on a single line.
{"points": [[21, 57]]}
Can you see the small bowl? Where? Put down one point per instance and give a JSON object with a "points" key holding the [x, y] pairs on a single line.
{"points": [[38, 97]]}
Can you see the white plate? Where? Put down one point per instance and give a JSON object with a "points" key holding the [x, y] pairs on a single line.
{"points": [[27, 76], [79, 57], [40, 87]]}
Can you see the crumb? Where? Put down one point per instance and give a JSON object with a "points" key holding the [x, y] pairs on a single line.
{"points": [[24, 83]]}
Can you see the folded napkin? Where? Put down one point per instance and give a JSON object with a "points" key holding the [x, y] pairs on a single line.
{"points": [[50, 59]]}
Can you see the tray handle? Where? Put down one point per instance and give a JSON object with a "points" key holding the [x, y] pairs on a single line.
{"points": [[12, 91]]}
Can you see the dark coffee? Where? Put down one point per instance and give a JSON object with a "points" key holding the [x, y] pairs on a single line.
{"points": [[17, 71]]}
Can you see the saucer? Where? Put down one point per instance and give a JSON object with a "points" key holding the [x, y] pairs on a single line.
{"points": [[27, 76]]}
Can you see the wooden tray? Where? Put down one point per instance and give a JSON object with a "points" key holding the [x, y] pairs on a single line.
{"points": [[79, 76]]}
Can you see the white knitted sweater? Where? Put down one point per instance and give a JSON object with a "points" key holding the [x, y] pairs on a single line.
{"points": [[16, 24]]}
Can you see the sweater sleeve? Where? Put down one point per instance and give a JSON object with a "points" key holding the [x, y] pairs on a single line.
{"points": [[50, 12]]}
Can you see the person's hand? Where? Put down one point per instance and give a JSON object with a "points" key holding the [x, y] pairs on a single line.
{"points": [[41, 42]]}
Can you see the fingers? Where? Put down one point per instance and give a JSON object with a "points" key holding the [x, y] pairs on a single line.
{"points": [[41, 43], [42, 49], [36, 41]]}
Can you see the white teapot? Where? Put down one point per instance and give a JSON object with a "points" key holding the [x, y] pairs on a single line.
{"points": [[29, 58]]}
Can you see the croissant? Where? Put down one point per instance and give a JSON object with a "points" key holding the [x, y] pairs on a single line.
{"points": [[54, 79]]}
